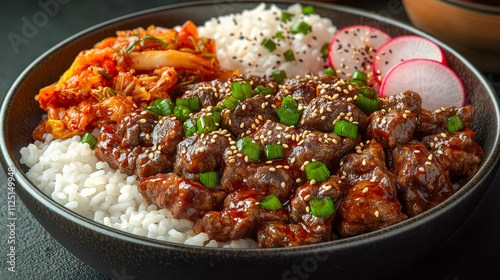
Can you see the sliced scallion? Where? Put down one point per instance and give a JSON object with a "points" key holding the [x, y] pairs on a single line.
{"points": [[269, 44], [322, 206], [288, 101], [324, 50], [190, 127], [300, 27], [249, 148], [131, 46], [166, 106], [286, 16], [210, 179], [360, 83], [279, 35], [346, 129], [241, 90], [360, 75], [330, 71], [288, 116], [149, 37], [216, 117], [105, 74], [288, 55], [154, 109], [273, 151], [454, 123], [270, 202], [367, 100], [261, 89], [317, 171], [182, 112], [192, 103], [230, 102], [279, 76], [242, 142], [89, 139], [308, 10], [205, 124]]}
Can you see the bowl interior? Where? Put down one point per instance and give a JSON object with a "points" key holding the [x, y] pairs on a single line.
{"points": [[20, 112]]}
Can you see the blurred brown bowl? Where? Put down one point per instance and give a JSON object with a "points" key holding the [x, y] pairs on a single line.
{"points": [[470, 28]]}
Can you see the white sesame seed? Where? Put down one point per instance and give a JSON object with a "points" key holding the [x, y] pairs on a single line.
{"points": [[421, 169], [365, 190], [377, 214]]}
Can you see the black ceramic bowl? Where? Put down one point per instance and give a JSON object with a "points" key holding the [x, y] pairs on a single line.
{"points": [[113, 252]]}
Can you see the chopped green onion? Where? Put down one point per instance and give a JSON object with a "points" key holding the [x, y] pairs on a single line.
{"points": [[249, 148], [317, 171], [182, 112], [286, 16], [322, 206], [166, 106], [192, 103], [366, 104], [89, 139], [359, 75], [218, 108], [154, 109], [289, 56], [230, 102], [190, 127], [190, 81], [242, 142], [149, 37], [210, 179], [324, 50], [279, 76], [308, 10], [368, 93], [300, 27], [288, 101], [279, 35], [360, 83], [216, 117], [105, 75], [131, 46], [261, 89], [273, 151], [205, 124], [241, 91], [454, 123], [346, 129], [330, 71], [288, 116], [268, 44], [270, 202]]}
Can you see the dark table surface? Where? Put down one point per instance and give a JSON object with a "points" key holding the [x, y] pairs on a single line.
{"points": [[473, 252]]}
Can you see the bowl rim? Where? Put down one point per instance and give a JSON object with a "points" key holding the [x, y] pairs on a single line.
{"points": [[490, 163], [477, 7]]}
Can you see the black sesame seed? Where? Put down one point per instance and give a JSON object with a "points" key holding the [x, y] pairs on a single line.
{"points": [[340, 46], [390, 51], [300, 60], [314, 38], [387, 62], [235, 22], [234, 57]]}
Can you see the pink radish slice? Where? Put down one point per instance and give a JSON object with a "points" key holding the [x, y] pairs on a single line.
{"points": [[436, 83], [353, 49], [403, 48]]}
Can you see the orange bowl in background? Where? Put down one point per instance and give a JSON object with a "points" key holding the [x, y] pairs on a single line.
{"points": [[472, 29]]}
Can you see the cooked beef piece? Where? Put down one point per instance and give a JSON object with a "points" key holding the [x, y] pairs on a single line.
{"points": [[249, 115], [434, 122], [208, 93], [201, 153], [422, 182], [391, 129], [141, 144], [457, 152], [338, 91], [267, 178], [405, 101], [255, 81], [321, 113], [370, 204], [371, 201], [185, 199], [239, 218], [303, 93], [357, 166], [280, 234], [311, 79]]}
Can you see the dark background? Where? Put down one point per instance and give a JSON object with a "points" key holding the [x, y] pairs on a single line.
{"points": [[473, 252]]}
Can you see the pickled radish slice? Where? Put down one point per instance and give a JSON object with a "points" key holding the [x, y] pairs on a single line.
{"points": [[404, 48], [353, 49], [436, 83]]}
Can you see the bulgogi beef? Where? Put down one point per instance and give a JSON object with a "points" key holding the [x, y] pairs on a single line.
{"points": [[382, 175]]}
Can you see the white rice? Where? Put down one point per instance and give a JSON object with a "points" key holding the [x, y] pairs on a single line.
{"points": [[259, 23], [68, 172]]}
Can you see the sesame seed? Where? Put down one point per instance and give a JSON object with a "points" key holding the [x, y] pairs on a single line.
{"points": [[232, 160], [421, 169], [443, 135], [142, 120], [430, 157], [246, 158], [365, 190], [272, 169], [407, 112], [416, 151], [427, 163], [440, 152], [298, 180], [300, 142], [229, 153], [313, 182], [283, 184], [376, 214], [363, 162]]}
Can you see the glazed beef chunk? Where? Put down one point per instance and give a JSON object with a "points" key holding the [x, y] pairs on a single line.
{"points": [[338, 90], [302, 92], [201, 153], [208, 93], [434, 122], [249, 115], [422, 181], [391, 129], [143, 144], [405, 101], [371, 200], [304, 228], [185, 199], [239, 217], [322, 112], [457, 152]]}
